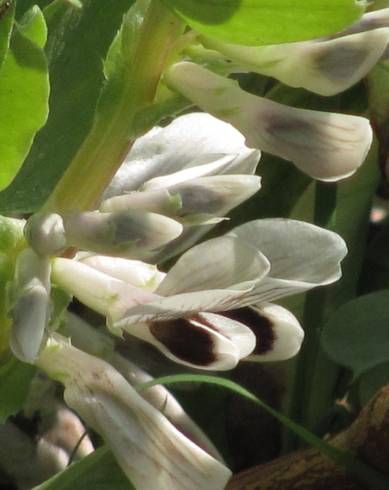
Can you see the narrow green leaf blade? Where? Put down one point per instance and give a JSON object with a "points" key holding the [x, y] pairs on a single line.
{"points": [[256, 22], [373, 479], [99, 471], [24, 94]]}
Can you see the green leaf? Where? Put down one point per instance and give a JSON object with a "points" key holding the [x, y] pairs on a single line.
{"points": [[11, 242], [373, 479], [6, 21], [15, 379], [24, 93], [357, 334], [371, 381], [98, 471], [256, 22], [77, 43]]}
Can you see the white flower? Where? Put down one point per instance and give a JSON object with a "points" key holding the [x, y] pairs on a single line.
{"points": [[94, 342], [149, 449], [196, 170], [327, 146], [326, 66], [196, 315]]}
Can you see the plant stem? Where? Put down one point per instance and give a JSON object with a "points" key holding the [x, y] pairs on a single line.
{"points": [[109, 140], [306, 406]]}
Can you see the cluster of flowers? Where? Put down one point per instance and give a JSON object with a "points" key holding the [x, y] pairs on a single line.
{"points": [[214, 306]]}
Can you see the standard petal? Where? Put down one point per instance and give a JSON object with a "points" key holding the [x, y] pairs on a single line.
{"points": [[183, 305], [190, 140], [215, 264], [326, 146], [135, 272], [324, 66], [191, 342], [278, 333], [302, 255]]}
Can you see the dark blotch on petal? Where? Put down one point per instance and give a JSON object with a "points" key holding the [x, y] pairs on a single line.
{"points": [[341, 63], [186, 341], [261, 326]]}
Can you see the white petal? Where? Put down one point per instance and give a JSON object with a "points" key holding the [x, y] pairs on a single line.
{"points": [[183, 305], [189, 141], [149, 449], [327, 146], [30, 317], [157, 201], [370, 20], [218, 166], [190, 342], [99, 291], [278, 333], [94, 342], [325, 66], [126, 233], [135, 272], [215, 196], [301, 255], [238, 333], [30, 305], [215, 264]]}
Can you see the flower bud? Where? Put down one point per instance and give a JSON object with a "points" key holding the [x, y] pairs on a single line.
{"points": [[149, 449], [45, 233], [127, 233], [196, 201], [30, 310]]}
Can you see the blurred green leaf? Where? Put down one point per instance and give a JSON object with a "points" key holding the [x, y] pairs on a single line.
{"points": [[15, 379], [11, 242], [98, 471], [77, 43], [255, 22], [371, 381], [357, 334], [6, 21], [24, 93]]}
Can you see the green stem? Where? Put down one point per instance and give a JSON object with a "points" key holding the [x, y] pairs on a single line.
{"points": [[104, 149], [307, 404]]}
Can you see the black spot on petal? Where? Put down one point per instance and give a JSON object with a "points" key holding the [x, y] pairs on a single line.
{"points": [[185, 340], [260, 324]]}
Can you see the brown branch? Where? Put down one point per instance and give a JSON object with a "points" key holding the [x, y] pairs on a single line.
{"points": [[367, 438]]}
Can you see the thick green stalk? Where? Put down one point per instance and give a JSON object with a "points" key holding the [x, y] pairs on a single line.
{"points": [[105, 147], [311, 358], [344, 208]]}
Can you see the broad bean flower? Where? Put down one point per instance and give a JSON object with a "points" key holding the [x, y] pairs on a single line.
{"points": [[196, 314], [326, 146]]}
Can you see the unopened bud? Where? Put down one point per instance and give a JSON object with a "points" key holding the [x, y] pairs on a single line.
{"points": [[30, 310], [127, 233], [45, 234]]}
